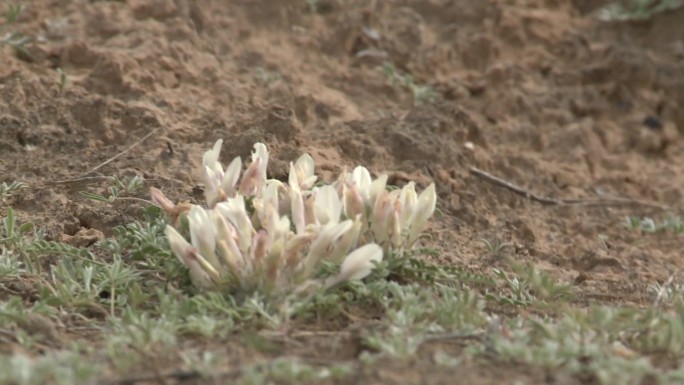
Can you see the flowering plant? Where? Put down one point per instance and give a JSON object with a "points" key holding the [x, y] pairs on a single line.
{"points": [[266, 235]]}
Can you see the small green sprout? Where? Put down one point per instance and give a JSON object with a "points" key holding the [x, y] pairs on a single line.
{"points": [[496, 248], [266, 77], [7, 190], [313, 5], [421, 93], [11, 234], [121, 187], [13, 13], [61, 80]]}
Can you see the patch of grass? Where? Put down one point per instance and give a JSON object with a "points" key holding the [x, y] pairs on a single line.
{"points": [[415, 314], [542, 285], [128, 308], [312, 5], [421, 93], [527, 286], [7, 190], [604, 345], [14, 39], [496, 248], [288, 370], [119, 187], [14, 237], [266, 77], [673, 224], [668, 293], [13, 12], [516, 291], [59, 367], [635, 10], [18, 41], [62, 80]]}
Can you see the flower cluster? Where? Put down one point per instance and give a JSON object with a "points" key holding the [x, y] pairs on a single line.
{"points": [[263, 234]]}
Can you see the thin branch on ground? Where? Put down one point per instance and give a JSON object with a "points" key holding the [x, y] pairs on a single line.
{"points": [[476, 336], [516, 189], [562, 202], [176, 374], [132, 146], [87, 179]]}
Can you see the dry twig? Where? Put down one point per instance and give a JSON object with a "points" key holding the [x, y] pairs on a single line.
{"points": [[179, 375], [510, 186], [106, 162], [562, 202], [87, 177]]}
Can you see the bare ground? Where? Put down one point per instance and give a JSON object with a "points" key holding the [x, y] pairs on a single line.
{"points": [[538, 93]]}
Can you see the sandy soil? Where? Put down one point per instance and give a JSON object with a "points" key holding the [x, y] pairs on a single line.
{"points": [[538, 93]]}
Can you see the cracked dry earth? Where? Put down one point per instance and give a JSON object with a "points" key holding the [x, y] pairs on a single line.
{"points": [[538, 93]]}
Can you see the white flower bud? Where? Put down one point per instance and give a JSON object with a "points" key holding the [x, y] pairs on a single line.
{"points": [[327, 205], [357, 265], [422, 211], [203, 234]]}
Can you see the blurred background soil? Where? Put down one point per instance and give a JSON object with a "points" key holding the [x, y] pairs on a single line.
{"points": [[539, 93]]}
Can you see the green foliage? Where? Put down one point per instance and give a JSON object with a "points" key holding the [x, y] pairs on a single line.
{"points": [[17, 41], [145, 246], [7, 190], [266, 77], [496, 248], [15, 239], [132, 292], [13, 12], [526, 287], [14, 39], [43, 247], [61, 80], [421, 93], [119, 187], [12, 234], [636, 9], [668, 293], [415, 315], [61, 368], [670, 223], [287, 370], [610, 344]]}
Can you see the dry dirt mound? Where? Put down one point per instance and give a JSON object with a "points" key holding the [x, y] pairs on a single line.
{"points": [[539, 93], [550, 99]]}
